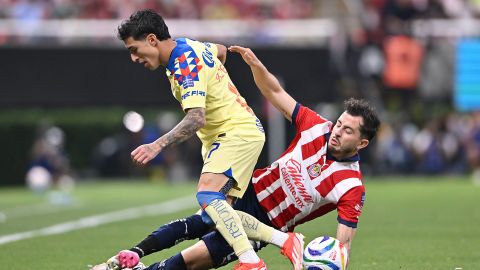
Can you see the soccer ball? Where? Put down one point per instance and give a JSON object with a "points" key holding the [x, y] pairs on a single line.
{"points": [[325, 253]]}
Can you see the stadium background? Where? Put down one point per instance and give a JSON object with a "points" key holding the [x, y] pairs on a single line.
{"points": [[66, 84]]}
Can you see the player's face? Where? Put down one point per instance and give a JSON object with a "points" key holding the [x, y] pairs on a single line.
{"points": [[346, 139], [143, 52]]}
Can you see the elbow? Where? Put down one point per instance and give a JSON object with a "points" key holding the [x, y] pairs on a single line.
{"points": [[222, 53]]}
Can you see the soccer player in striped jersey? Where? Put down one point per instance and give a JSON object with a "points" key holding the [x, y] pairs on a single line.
{"points": [[318, 173], [320, 170]]}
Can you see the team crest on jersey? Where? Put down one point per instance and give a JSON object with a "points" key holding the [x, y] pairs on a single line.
{"points": [[186, 69], [314, 170]]}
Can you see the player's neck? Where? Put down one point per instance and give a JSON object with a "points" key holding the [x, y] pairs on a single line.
{"points": [[166, 48], [342, 156]]}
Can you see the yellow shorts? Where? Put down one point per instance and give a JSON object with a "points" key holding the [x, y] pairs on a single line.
{"points": [[234, 157]]}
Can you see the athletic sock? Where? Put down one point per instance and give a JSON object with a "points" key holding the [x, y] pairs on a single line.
{"points": [[171, 234], [278, 238], [249, 256], [258, 231], [229, 225]]}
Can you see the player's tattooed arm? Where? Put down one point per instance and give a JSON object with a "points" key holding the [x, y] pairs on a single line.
{"points": [[191, 123]]}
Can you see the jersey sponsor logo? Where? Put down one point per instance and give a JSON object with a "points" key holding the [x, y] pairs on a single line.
{"points": [[359, 207], [259, 125], [292, 176], [207, 56], [193, 93], [314, 170], [186, 69]]}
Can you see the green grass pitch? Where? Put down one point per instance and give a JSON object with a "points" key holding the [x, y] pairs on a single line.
{"points": [[419, 223]]}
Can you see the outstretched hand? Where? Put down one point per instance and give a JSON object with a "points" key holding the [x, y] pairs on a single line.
{"points": [[248, 56], [144, 153]]}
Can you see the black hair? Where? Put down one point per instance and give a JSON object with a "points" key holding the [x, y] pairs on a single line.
{"points": [[360, 107], [142, 23]]}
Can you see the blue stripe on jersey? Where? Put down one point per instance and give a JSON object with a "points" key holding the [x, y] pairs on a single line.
{"points": [[347, 223], [295, 113], [188, 64], [181, 47]]}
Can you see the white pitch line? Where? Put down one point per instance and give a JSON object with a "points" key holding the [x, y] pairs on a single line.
{"points": [[37, 210], [168, 207]]}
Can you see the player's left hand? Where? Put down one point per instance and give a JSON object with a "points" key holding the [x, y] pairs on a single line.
{"points": [[247, 54], [144, 153]]}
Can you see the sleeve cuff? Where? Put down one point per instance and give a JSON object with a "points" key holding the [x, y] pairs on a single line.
{"points": [[295, 113], [347, 223]]}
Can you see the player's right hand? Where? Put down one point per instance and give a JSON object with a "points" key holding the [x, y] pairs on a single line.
{"points": [[127, 259], [144, 153]]}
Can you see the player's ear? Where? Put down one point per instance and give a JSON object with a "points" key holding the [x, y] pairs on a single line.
{"points": [[363, 143], [152, 39]]}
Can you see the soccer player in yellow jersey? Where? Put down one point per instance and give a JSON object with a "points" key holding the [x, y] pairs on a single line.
{"points": [[232, 136]]}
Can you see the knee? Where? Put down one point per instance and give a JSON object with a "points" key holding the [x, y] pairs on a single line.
{"points": [[204, 198]]}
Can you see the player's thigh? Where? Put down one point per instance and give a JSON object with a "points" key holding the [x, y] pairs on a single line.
{"points": [[212, 181]]}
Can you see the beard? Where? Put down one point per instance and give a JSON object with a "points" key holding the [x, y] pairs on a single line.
{"points": [[340, 152]]}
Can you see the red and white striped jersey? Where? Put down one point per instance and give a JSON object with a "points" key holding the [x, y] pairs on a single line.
{"points": [[306, 182]]}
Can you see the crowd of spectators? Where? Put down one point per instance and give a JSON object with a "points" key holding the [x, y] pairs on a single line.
{"points": [[179, 9], [448, 144], [375, 54], [237, 9], [411, 81]]}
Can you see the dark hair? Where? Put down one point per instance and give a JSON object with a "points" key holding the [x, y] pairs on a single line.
{"points": [[360, 107], [141, 24]]}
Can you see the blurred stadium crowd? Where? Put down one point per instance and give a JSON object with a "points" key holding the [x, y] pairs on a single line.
{"points": [[185, 9], [374, 10], [379, 52]]}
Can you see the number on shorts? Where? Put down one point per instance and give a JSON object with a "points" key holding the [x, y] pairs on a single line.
{"points": [[215, 145]]}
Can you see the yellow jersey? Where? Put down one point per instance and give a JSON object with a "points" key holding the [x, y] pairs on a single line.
{"points": [[199, 80]]}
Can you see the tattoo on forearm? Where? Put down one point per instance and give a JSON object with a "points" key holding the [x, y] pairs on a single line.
{"points": [[191, 123]]}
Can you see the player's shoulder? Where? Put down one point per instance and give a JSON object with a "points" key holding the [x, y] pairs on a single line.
{"points": [[184, 50], [183, 46], [304, 117], [188, 44], [192, 52]]}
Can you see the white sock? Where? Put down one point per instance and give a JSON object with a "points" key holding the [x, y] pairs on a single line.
{"points": [[279, 238], [249, 257]]}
